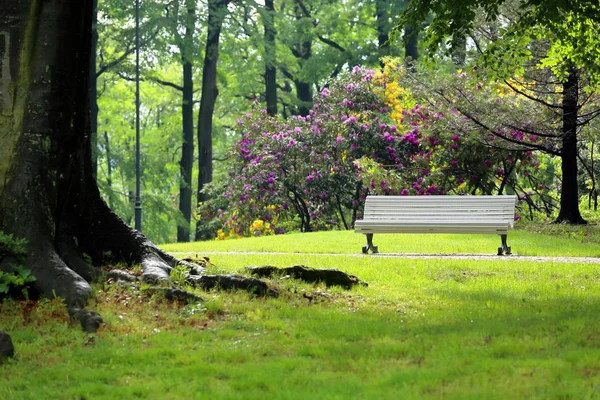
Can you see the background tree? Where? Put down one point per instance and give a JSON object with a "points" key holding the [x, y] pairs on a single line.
{"points": [[571, 33]]}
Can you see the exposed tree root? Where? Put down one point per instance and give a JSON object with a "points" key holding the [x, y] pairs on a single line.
{"points": [[177, 295], [232, 282], [330, 277]]}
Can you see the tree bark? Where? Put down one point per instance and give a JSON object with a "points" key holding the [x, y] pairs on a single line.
{"points": [[569, 195], [459, 50], [217, 10], [187, 110], [270, 58], [411, 43], [48, 194], [383, 27], [94, 90]]}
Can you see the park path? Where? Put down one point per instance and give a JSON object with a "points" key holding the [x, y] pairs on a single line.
{"points": [[509, 258]]}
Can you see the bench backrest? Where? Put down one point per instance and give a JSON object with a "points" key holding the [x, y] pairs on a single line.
{"points": [[441, 208]]}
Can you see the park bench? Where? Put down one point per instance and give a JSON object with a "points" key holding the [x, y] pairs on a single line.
{"points": [[437, 214]]}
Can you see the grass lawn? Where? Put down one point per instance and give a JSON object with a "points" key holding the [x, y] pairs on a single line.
{"points": [[541, 241], [433, 328]]}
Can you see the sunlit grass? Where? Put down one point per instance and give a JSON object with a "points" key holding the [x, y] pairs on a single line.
{"points": [[523, 242], [423, 328]]}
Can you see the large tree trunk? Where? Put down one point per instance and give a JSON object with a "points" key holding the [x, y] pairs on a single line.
{"points": [[94, 90], [270, 58], [569, 195], [48, 194], [217, 10], [187, 150]]}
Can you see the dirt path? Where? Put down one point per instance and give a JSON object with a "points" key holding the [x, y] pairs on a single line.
{"points": [[512, 257]]}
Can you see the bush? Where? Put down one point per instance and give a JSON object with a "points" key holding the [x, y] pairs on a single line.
{"points": [[15, 280]]}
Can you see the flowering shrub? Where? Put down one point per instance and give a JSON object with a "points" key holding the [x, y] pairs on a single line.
{"points": [[365, 133]]}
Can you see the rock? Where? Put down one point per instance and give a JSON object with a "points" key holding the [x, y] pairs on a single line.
{"points": [[330, 277], [6, 346]]}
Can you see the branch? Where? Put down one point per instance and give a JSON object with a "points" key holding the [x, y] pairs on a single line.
{"points": [[535, 99], [151, 79], [114, 62]]}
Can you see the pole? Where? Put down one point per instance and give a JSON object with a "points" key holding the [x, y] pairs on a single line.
{"points": [[138, 202]]}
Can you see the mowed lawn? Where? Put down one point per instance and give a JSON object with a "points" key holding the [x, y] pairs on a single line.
{"points": [[423, 328]]}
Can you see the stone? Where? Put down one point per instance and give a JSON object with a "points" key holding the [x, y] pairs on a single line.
{"points": [[6, 345]]}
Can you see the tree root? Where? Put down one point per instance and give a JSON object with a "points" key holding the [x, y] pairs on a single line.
{"points": [[232, 282], [330, 277], [177, 295]]}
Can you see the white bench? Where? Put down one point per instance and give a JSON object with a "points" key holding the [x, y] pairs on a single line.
{"points": [[437, 214]]}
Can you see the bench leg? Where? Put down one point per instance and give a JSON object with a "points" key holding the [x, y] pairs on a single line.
{"points": [[505, 249], [369, 245]]}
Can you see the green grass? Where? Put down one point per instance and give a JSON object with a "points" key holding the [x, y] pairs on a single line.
{"points": [[423, 328], [570, 242]]}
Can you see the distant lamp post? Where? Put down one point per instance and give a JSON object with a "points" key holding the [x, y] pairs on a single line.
{"points": [[138, 202]]}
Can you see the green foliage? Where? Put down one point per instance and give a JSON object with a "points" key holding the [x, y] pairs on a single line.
{"points": [[18, 278], [179, 275], [570, 27]]}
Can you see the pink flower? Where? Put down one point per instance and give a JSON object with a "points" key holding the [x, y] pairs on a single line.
{"points": [[404, 192], [339, 139]]}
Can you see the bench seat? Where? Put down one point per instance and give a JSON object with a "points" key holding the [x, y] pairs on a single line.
{"points": [[437, 214]]}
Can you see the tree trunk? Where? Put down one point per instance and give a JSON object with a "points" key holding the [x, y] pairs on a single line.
{"points": [[187, 109], [459, 50], [411, 43], [48, 194], [305, 95], [302, 51], [569, 195], [383, 27], [270, 58], [217, 10], [109, 189], [94, 90]]}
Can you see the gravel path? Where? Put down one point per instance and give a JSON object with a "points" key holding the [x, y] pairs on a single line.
{"points": [[512, 257]]}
